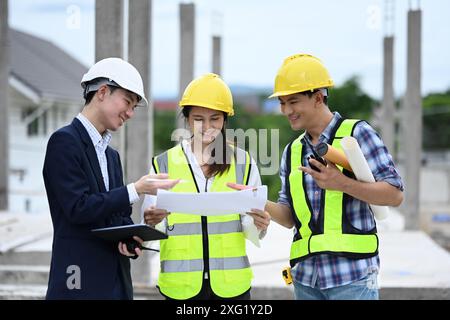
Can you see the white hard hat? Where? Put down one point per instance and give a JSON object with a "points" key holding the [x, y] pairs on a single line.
{"points": [[118, 72]]}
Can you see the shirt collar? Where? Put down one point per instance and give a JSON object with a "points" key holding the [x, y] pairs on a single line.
{"points": [[97, 139], [196, 169], [186, 144], [326, 134]]}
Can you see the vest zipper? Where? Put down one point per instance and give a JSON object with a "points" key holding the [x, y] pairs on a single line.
{"points": [[205, 242]]}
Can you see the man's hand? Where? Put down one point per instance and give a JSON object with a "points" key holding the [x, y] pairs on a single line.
{"points": [[150, 183], [123, 248], [328, 177], [153, 216]]}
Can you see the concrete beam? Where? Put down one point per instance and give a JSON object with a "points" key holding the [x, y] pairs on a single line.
{"points": [[388, 104], [4, 123], [139, 129], [108, 29], [217, 55], [109, 43], [412, 117], [187, 49]]}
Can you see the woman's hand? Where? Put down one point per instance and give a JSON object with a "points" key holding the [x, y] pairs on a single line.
{"points": [[238, 187], [261, 219], [153, 216]]}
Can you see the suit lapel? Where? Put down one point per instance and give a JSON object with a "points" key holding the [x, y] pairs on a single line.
{"points": [[91, 154], [111, 169]]}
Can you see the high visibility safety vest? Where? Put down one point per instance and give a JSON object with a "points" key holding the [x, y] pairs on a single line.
{"points": [[332, 233], [198, 243]]}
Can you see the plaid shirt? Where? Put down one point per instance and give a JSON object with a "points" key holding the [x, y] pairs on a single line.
{"points": [[325, 270]]}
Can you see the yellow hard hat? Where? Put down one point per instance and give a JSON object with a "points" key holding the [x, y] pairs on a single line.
{"points": [[208, 91], [299, 73]]}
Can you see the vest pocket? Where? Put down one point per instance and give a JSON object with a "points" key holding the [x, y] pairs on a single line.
{"points": [[359, 224]]}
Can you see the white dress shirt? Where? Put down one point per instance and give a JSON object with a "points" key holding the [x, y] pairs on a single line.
{"points": [[100, 144]]}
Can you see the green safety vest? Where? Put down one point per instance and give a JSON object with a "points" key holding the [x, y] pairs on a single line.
{"points": [[199, 243], [332, 233]]}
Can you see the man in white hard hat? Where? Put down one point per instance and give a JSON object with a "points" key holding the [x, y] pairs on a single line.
{"points": [[84, 183]]}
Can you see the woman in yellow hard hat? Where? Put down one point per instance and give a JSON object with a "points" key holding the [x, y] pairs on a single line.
{"points": [[205, 256]]}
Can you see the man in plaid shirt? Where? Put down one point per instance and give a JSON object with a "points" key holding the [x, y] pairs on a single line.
{"points": [[334, 254]]}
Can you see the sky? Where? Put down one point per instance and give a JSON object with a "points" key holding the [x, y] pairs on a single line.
{"points": [[347, 35]]}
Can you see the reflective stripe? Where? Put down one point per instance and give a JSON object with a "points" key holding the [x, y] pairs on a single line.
{"points": [[241, 156], [197, 264], [229, 263], [241, 165], [240, 172], [224, 227], [162, 162], [182, 229], [182, 265]]}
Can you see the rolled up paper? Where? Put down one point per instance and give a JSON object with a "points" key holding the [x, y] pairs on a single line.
{"points": [[333, 155], [361, 170]]}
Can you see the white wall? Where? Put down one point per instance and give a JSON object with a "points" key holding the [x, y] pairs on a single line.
{"points": [[27, 154]]}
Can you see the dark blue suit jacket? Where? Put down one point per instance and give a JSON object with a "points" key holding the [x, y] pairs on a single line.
{"points": [[78, 203]]}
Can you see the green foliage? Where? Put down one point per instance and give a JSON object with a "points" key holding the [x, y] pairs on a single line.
{"points": [[350, 100], [436, 132], [436, 117], [164, 124], [245, 120], [436, 99]]}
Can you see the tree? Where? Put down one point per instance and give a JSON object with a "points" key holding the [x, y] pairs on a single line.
{"points": [[436, 117], [350, 100], [164, 124]]}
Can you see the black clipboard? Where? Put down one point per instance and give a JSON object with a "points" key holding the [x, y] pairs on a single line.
{"points": [[124, 233]]}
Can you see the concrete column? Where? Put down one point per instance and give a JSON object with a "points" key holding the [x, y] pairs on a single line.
{"points": [[217, 55], [187, 48], [4, 118], [108, 29], [388, 104], [139, 129], [413, 121], [109, 43]]}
